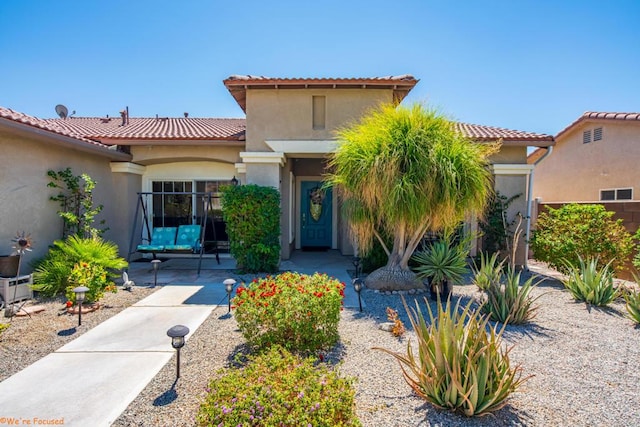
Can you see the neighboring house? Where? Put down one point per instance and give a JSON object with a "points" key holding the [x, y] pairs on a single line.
{"points": [[283, 142], [595, 159]]}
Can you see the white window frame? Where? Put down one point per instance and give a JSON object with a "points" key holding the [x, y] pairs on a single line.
{"points": [[615, 193]]}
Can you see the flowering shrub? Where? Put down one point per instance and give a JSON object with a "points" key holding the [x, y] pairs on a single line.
{"points": [[94, 277], [297, 311], [279, 389]]}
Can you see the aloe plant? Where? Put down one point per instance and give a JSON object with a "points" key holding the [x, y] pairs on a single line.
{"points": [[590, 283], [510, 302], [489, 272], [461, 364]]}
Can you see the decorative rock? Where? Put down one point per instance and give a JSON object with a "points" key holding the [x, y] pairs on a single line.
{"points": [[386, 326]]}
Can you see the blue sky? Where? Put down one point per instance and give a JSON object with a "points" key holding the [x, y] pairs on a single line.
{"points": [[525, 65]]}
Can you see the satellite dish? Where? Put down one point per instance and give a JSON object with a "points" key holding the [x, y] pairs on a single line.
{"points": [[62, 111]]}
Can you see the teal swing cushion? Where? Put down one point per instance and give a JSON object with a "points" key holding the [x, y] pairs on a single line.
{"points": [[161, 237]]}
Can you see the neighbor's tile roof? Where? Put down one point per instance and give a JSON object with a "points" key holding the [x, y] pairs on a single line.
{"points": [[237, 85], [162, 128], [592, 115], [45, 125], [490, 133]]}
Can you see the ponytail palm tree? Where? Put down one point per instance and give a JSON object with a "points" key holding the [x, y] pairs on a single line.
{"points": [[402, 172]]}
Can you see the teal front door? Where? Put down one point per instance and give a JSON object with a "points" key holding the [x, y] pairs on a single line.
{"points": [[316, 215]]}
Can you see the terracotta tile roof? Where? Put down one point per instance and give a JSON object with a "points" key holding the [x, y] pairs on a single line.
{"points": [[593, 116], [46, 125], [162, 128], [237, 85], [490, 133]]}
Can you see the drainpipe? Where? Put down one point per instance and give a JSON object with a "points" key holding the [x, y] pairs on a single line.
{"points": [[529, 203]]}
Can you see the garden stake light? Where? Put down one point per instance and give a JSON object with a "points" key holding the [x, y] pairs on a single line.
{"points": [[156, 266], [228, 285], [357, 286], [80, 291], [177, 334], [356, 264]]}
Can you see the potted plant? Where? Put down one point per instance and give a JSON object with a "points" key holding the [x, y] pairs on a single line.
{"points": [[442, 263]]}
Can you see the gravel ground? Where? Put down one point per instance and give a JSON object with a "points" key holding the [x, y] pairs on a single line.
{"points": [[30, 339], [583, 362]]}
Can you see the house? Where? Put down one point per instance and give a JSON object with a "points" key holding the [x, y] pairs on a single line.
{"points": [[283, 142], [595, 159]]}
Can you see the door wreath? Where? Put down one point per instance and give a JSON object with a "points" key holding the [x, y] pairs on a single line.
{"points": [[316, 197]]}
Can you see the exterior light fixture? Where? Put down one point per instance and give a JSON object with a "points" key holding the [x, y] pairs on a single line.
{"points": [[80, 292], [177, 334], [156, 266], [234, 181], [228, 285], [357, 286], [356, 264]]}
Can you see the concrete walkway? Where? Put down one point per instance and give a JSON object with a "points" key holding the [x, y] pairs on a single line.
{"points": [[91, 380]]}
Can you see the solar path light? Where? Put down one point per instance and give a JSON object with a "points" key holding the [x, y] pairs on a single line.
{"points": [[177, 334], [357, 286], [80, 292], [156, 266], [228, 285]]}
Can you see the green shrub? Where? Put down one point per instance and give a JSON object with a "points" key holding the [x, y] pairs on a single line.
{"points": [[496, 229], [489, 273], [591, 283], [297, 311], [375, 258], [92, 276], [509, 302], [636, 257], [459, 366], [633, 305], [279, 389], [51, 276], [76, 203], [586, 231], [252, 216]]}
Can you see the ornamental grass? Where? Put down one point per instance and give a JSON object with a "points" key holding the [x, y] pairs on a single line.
{"points": [[461, 364], [297, 311]]}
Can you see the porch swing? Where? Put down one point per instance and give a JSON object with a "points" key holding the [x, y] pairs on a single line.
{"points": [[183, 239]]}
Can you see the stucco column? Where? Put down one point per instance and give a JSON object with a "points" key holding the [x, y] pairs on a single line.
{"points": [[512, 179], [263, 168], [127, 178]]}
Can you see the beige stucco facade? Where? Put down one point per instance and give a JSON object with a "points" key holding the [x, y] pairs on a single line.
{"points": [[24, 195], [577, 171]]}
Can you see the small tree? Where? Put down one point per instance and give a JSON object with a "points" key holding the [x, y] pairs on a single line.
{"points": [[402, 172], [563, 236], [497, 229], [76, 202], [252, 217]]}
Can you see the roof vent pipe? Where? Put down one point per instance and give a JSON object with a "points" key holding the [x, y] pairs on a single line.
{"points": [[186, 115]]}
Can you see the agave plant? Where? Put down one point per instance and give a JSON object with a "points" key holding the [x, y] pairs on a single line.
{"points": [[591, 284], [510, 302], [443, 263], [489, 272], [633, 305], [459, 366]]}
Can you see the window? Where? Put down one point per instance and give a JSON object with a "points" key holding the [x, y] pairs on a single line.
{"points": [[597, 134], [616, 194], [586, 136], [319, 105]]}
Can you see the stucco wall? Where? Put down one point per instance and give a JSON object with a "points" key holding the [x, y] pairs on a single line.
{"points": [[287, 113], [24, 195], [577, 172], [154, 154]]}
